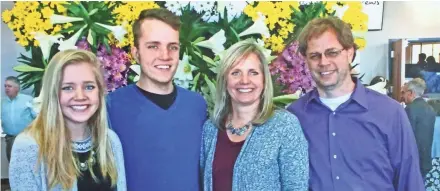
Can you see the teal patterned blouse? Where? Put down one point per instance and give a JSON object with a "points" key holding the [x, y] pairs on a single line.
{"points": [[273, 157]]}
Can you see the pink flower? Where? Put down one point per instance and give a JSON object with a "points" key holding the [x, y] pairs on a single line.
{"points": [[292, 71], [115, 64]]}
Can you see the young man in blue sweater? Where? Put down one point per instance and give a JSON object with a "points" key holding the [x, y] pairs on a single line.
{"points": [[159, 124]]}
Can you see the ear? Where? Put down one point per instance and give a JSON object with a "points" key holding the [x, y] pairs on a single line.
{"points": [[350, 54], [135, 53]]}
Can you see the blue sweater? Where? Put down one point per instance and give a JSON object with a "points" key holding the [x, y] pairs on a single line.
{"points": [[273, 157], [161, 147]]}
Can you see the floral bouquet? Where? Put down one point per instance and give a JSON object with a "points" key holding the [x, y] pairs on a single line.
{"points": [[209, 28]]}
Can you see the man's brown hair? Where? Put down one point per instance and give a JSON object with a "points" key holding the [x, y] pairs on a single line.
{"points": [[318, 26], [160, 14]]}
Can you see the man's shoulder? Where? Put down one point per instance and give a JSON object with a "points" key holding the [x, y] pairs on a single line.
{"points": [[381, 101], [122, 91], [189, 95], [121, 94], [299, 104]]}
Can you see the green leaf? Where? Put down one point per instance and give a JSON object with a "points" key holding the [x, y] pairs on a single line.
{"points": [[206, 59], [34, 79], [200, 39], [73, 8], [93, 12], [99, 29], [195, 80], [107, 46], [211, 87], [237, 37], [27, 68]]}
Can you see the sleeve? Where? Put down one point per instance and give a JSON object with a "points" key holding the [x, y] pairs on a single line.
{"points": [[202, 156], [293, 158], [404, 155], [120, 165], [108, 107], [24, 158], [29, 104], [411, 116]]}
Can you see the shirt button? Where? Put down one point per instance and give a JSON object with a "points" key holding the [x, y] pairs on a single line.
{"points": [[334, 113], [337, 177], [334, 134], [334, 156]]}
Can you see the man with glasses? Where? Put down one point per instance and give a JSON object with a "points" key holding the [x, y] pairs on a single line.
{"points": [[358, 139], [422, 118]]}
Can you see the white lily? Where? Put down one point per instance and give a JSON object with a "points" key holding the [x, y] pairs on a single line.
{"points": [[259, 27], [118, 31], [46, 42], [215, 43], [340, 10], [183, 75], [36, 103], [267, 52], [137, 69], [60, 19], [71, 42]]}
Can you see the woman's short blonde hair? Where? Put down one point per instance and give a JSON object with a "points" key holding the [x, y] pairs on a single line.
{"points": [[51, 133], [222, 103]]}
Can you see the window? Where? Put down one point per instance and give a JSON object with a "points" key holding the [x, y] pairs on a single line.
{"points": [[429, 48]]}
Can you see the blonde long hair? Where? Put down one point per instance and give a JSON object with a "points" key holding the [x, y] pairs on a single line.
{"points": [[233, 55], [51, 133]]}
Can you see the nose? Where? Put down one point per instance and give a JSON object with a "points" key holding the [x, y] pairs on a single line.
{"points": [[79, 94], [164, 54], [324, 61], [244, 79]]}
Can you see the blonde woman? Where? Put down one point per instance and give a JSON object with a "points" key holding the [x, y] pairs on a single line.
{"points": [[249, 144], [69, 145]]}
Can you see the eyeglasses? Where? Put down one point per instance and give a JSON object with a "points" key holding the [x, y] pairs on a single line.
{"points": [[329, 54]]}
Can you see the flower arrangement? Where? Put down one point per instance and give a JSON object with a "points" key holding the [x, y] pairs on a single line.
{"points": [[210, 28], [115, 64]]}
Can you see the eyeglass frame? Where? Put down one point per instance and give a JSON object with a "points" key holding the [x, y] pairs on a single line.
{"points": [[326, 54]]}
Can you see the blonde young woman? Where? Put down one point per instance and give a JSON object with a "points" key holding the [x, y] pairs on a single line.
{"points": [[249, 144], [69, 145]]}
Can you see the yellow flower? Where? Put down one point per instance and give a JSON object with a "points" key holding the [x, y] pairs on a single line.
{"points": [[67, 25], [360, 42], [56, 29], [61, 8], [47, 12], [23, 42], [129, 12], [7, 16]]}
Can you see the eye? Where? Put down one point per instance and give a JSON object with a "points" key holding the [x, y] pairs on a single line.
{"points": [[254, 73], [235, 73], [174, 48], [152, 47], [90, 87], [333, 53], [67, 88], [314, 56]]}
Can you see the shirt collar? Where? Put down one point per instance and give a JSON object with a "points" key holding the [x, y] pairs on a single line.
{"points": [[358, 95], [15, 98]]}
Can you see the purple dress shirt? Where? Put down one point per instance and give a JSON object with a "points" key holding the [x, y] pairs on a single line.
{"points": [[366, 144]]}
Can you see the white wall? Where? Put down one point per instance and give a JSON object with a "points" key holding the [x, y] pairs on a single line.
{"points": [[10, 51], [402, 19]]}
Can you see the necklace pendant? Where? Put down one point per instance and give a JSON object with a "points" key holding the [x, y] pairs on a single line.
{"points": [[83, 166], [237, 131]]}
